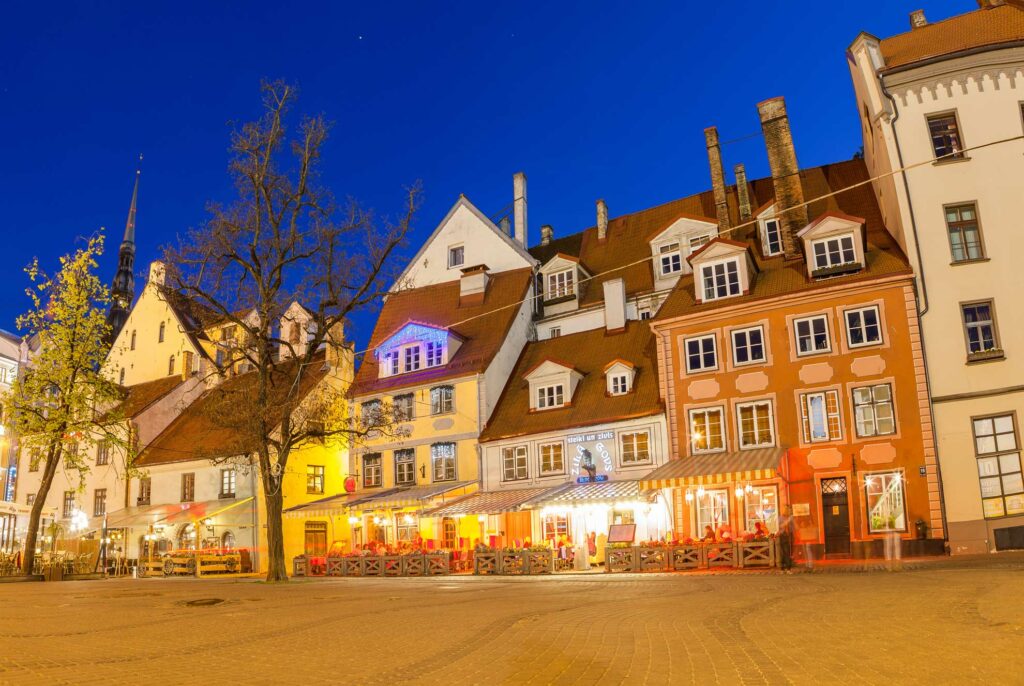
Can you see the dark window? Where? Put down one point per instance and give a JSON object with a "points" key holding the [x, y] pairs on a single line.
{"points": [[721, 280], [748, 346], [812, 335], [133, 340], [862, 327], [405, 467], [316, 539], [120, 379], [945, 133], [145, 490], [227, 483], [772, 237], [403, 406], [102, 453], [371, 470], [701, 354], [163, 328], [99, 502], [980, 328], [964, 236], [442, 456], [188, 487], [69, 504], [314, 478], [832, 252], [170, 366]]}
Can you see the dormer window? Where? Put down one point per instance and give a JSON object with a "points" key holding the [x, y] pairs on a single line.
{"points": [[411, 358], [390, 363], [550, 396], [561, 284], [456, 256], [834, 252], [771, 237], [619, 384], [671, 259], [619, 377], [416, 346], [721, 279], [435, 354]]}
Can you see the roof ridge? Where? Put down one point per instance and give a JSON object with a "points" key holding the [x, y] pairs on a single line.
{"points": [[940, 22]]}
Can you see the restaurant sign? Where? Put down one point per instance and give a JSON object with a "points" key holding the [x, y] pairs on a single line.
{"points": [[591, 452]]}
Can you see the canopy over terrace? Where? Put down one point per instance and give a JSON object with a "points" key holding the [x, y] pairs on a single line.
{"points": [[489, 503], [716, 468], [332, 505], [415, 496], [591, 507]]}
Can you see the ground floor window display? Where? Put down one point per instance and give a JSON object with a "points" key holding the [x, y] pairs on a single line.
{"points": [[999, 466], [885, 502], [761, 504], [712, 511]]}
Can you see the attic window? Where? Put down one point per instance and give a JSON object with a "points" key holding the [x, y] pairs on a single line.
{"points": [[835, 255], [771, 237], [389, 363], [618, 384], [456, 256], [561, 284], [549, 397], [671, 259], [721, 279]]}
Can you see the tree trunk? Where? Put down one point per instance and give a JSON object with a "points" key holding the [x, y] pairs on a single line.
{"points": [[49, 470], [277, 570]]}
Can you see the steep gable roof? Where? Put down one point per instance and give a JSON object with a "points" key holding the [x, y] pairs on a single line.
{"points": [[981, 28]]}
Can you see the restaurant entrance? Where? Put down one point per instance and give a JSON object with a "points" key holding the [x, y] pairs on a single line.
{"points": [[835, 516]]}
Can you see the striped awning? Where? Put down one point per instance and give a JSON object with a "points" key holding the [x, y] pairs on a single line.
{"points": [[417, 496], [491, 502], [596, 493], [716, 468], [330, 506]]}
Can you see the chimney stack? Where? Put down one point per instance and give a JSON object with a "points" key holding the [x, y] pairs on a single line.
{"points": [[717, 178], [789, 194], [519, 207], [157, 271], [602, 220], [546, 234], [742, 191], [614, 305], [505, 225], [917, 19]]}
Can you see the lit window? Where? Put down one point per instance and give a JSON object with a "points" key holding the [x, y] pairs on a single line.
{"points": [[551, 459], [314, 479], [442, 400], [834, 252], [756, 427], [412, 358], [102, 453], [550, 396], [964, 236], [873, 410], [635, 447], [405, 467], [99, 502], [701, 353], [707, 430], [761, 504], [821, 418], [435, 354], [556, 527], [227, 483], [456, 256], [403, 407], [712, 510], [315, 541], [885, 502], [998, 453], [945, 134], [30, 499], [619, 384], [514, 463], [862, 327], [771, 237], [812, 335], [979, 326], [671, 259], [561, 284], [721, 280], [748, 346], [442, 456], [372, 475]]}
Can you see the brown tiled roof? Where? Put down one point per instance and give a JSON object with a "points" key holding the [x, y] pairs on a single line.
{"points": [[482, 324], [777, 277], [206, 428], [140, 396], [590, 352], [981, 28]]}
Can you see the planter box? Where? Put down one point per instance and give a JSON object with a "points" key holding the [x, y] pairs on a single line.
{"points": [[686, 557], [757, 553], [720, 554], [352, 566], [653, 559], [373, 565], [538, 562], [994, 354], [415, 565], [487, 562], [511, 563], [620, 559], [335, 566], [437, 564], [391, 565], [837, 270]]}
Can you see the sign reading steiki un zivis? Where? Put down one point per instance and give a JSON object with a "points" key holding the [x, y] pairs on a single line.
{"points": [[590, 453]]}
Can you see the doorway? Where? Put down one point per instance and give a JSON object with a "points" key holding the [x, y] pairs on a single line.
{"points": [[835, 512]]}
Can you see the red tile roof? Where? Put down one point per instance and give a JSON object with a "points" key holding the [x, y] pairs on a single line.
{"points": [[590, 351], [482, 323], [981, 28]]}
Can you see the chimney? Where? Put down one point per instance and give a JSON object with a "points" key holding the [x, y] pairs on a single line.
{"points": [[505, 225], [717, 178], [157, 270], [917, 19], [614, 305], [336, 348], [742, 191], [989, 4], [546, 234], [602, 220], [789, 194], [473, 285], [519, 206]]}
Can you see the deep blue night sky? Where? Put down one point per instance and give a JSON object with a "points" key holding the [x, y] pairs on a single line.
{"points": [[594, 99]]}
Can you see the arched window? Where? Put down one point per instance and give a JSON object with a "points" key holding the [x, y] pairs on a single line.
{"points": [[121, 380], [170, 366], [133, 339], [163, 327], [187, 537], [227, 541]]}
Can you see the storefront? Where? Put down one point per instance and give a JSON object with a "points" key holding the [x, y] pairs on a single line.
{"points": [[399, 517], [498, 516]]}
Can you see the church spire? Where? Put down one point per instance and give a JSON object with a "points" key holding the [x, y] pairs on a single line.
{"points": [[122, 291]]}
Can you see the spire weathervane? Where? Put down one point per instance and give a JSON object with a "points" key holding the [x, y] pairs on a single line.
{"points": [[122, 291]]}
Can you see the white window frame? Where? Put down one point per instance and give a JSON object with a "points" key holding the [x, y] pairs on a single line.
{"points": [[433, 354], [228, 483], [840, 241], [551, 396], [874, 404], [629, 448], [810, 320], [730, 284], [806, 426], [670, 259], [701, 340], [883, 481], [376, 469], [459, 250], [541, 449], [706, 411], [405, 466], [748, 346], [412, 358], [442, 406], [515, 463], [765, 236], [390, 362], [757, 423], [863, 327], [554, 332], [753, 508], [443, 461], [618, 383], [713, 501], [560, 284]]}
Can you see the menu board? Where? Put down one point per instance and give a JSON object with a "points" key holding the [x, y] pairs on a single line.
{"points": [[621, 533]]}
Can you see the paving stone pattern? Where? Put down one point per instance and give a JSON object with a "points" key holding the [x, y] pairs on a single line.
{"points": [[930, 625]]}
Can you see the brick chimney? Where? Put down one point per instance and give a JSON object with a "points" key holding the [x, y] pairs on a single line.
{"points": [[602, 220], [742, 191], [546, 234], [785, 173], [717, 178], [917, 19], [519, 207]]}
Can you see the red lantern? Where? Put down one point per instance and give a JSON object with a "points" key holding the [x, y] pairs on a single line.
{"points": [[350, 484]]}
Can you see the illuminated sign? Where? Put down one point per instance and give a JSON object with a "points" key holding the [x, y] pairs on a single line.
{"points": [[591, 451]]}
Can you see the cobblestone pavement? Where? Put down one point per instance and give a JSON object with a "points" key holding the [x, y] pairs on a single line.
{"points": [[936, 625]]}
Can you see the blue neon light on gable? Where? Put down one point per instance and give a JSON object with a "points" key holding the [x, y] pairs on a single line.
{"points": [[412, 333]]}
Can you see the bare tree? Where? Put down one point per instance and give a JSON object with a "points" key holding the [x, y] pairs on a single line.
{"points": [[284, 239]]}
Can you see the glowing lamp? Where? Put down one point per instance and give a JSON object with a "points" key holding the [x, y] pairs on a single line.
{"points": [[689, 496], [739, 491], [700, 491]]}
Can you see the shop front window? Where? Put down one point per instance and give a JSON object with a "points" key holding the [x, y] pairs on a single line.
{"points": [[406, 527], [762, 505], [885, 503], [712, 510], [999, 469], [555, 526]]}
